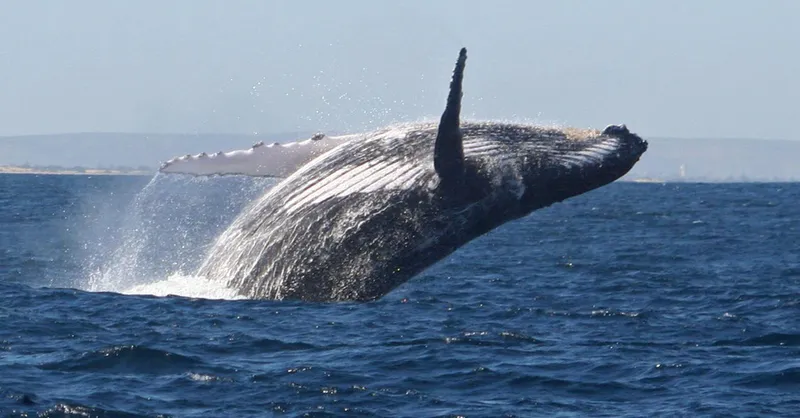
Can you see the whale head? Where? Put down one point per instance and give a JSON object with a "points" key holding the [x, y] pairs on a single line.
{"points": [[520, 167]]}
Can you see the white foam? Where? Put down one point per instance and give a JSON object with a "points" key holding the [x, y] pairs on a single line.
{"points": [[186, 286]]}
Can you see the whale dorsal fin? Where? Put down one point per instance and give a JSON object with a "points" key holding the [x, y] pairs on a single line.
{"points": [[448, 152]]}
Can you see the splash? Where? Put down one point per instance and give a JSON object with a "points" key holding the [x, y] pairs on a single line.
{"points": [[187, 286], [165, 232]]}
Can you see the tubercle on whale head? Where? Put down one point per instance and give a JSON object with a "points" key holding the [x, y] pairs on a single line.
{"points": [[631, 142]]}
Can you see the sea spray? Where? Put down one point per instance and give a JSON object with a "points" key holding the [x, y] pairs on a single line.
{"points": [[186, 286], [165, 231]]}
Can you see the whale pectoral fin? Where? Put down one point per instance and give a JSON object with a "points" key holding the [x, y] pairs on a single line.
{"points": [[274, 160], [448, 153]]}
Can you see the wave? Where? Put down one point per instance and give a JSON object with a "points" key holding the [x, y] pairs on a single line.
{"points": [[134, 359], [66, 410], [771, 339]]}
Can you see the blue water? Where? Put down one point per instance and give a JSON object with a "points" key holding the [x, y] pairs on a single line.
{"points": [[632, 300]]}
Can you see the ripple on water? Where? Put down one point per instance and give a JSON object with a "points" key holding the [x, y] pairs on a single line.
{"points": [[131, 359]]}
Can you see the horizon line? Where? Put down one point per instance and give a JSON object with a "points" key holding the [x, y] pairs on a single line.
{"points": [[301, 133]]}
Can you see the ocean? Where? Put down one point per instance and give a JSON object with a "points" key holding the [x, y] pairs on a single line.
{"points": [[635, 299]]}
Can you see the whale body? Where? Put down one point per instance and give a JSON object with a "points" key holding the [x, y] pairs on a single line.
{"points": [[355, 216]]}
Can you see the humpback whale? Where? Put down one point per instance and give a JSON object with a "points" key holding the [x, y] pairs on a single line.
{"points": [[355, 216]]}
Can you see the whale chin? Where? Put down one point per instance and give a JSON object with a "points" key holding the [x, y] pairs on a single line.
{"points": [[355, 216]]}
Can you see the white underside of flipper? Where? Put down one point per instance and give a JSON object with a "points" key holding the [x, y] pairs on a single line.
{"points": [[274, 160]]}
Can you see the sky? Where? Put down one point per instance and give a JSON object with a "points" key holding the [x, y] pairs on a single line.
{"points": [[666, 68]]}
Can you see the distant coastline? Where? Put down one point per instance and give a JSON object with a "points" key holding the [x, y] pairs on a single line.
{"points": [[77, 171]]}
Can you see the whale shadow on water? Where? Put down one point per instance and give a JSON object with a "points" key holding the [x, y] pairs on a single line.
{"points": [[355, 216]]}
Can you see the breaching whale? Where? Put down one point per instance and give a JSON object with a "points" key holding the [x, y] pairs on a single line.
{"points": [[357, 215]]}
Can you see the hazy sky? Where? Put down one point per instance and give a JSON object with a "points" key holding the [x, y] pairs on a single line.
{"points": [[694, 68]]}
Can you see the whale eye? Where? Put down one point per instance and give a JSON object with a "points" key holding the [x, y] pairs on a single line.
{"points": [[616, 130]]}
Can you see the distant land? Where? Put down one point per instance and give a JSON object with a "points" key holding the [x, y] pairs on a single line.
{"points": [[693, 160], [50, 169]]}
